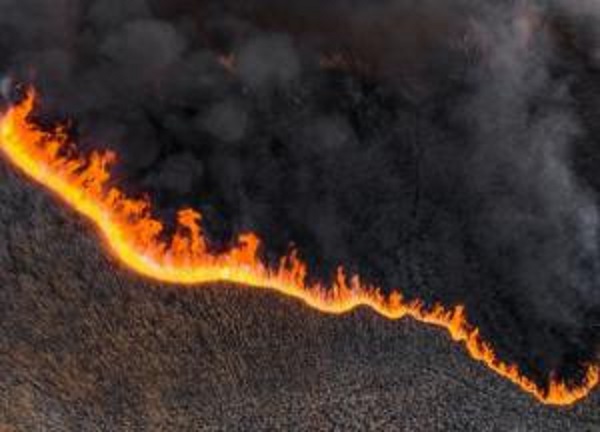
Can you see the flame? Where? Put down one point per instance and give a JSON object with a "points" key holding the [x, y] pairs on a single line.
{"points": [[137, 239]]}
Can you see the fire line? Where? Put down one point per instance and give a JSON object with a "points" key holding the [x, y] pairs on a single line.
{"points": [[135, 237]]}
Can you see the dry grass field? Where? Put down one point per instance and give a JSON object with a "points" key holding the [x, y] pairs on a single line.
{"points": [[86, 346]]}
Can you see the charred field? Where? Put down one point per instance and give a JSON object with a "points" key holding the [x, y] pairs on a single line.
{"points": [[445, 152]]}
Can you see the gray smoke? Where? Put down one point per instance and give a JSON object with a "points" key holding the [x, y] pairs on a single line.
{"points": [[446, 149]]}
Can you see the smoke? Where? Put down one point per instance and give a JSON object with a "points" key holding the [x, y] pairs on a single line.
{"points": [[536, 218], [440, 148]]}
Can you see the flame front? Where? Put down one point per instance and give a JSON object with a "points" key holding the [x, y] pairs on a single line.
{"points": [[136, 238]]}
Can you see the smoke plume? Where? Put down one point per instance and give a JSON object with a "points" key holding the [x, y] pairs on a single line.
{"points": [[444, 149]]}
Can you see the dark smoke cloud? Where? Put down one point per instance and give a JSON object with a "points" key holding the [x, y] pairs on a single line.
{"points": [[444, 148]]}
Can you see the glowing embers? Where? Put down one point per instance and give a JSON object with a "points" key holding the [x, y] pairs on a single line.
{"points": [[135, 237]]}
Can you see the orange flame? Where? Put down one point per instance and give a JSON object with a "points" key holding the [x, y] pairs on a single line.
{"points": [[134, 237]]}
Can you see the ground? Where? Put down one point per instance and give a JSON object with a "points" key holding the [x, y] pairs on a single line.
{"points": [[87, 345]]}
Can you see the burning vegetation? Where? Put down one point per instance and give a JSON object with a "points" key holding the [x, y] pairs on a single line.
{"points": [[446, 153], [136, 239]]}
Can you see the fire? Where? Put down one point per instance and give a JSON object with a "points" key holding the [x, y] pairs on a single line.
{"points": [[137, 240]]}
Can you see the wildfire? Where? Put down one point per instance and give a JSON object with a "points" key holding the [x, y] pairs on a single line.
{"points": [[136, 238]]}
